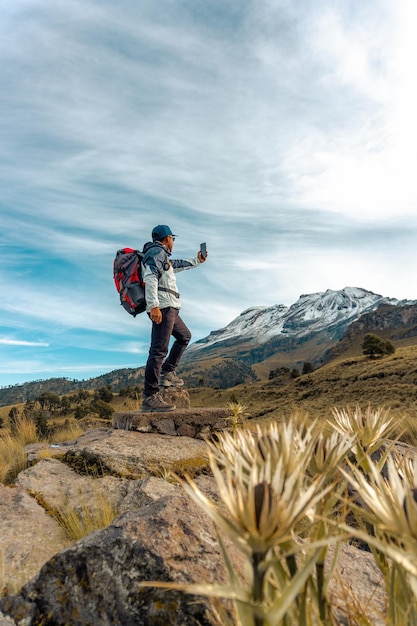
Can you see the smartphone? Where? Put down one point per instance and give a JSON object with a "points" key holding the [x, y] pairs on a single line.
{"points": [[203, 250]]}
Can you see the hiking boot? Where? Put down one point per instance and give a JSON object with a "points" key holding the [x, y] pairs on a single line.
{"points": [[155, 403], [170, 379]]}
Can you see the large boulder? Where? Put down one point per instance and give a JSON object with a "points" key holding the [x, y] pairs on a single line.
{"points": [[28, 537], [128, 454], [357, 585], [96, 581], [58, 486]]}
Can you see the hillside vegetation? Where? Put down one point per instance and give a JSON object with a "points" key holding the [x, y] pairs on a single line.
{"points": [[389, 382], [55, 416]]}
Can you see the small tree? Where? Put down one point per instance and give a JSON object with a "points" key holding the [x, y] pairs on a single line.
{"points": [[65, 404], [279, 371], [82, 395], [103, 409], [375, 346], [307, 368], [104, 393], [48, 401], [41, 423], [80, 412]]}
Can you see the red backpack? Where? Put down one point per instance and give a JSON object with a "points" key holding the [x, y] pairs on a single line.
{"points": [[128, 280]]}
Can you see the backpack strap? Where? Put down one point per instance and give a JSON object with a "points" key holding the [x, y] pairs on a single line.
{"points": [[165, 267], [171, 291]]}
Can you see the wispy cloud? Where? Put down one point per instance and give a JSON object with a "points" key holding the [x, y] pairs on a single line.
{"points": [[17, 342], [282, 134]]}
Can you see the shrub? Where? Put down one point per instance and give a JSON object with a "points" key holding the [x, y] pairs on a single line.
{"points": [[376, 346], [103, 409], [41, 423], [104, 393], [80, 412]]}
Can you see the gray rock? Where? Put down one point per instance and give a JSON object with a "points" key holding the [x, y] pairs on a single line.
{"points": [[177, 396], [357, 582], [195, 422], [58, 485], [28, 537], [131, 454], [96, 581], [6, 621]]}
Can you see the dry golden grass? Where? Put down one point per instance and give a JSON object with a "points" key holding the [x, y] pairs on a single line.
{"points": [[390, 383], [12, 458], [81, 517], [25, 431], [73, 430], [12, 446], [12, 454], [5, 410]]}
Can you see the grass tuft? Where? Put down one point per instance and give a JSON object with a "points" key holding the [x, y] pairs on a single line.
{"points": [[12, 458], [81, 516]]}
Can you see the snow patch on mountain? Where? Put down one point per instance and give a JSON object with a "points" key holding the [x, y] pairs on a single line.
{"points": [[311, 313]]}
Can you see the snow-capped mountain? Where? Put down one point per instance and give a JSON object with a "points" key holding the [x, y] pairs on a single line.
{"points": [[258, 331]]}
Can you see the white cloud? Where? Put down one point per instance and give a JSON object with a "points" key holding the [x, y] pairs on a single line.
{"points": [[5, 341], [277, 132]]}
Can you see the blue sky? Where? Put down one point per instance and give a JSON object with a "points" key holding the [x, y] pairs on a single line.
{"points": [[282, 132]]}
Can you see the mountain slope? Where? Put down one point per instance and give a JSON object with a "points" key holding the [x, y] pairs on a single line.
{"points": [[395, 323], [260, 332], [319, 327], [390, 382]]}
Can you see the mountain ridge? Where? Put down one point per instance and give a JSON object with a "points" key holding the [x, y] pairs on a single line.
{"points": [[316, 328], [258, 332]]}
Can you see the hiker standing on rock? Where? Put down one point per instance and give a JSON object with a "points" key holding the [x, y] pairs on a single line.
{"points": [[163, 306]]}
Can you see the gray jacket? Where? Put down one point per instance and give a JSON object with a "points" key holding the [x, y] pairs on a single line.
{"points": [[158, 273]]}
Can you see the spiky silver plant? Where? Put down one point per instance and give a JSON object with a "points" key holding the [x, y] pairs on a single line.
{"points": [[391, 511], [238, 414], [266, 490], [370, 427]]}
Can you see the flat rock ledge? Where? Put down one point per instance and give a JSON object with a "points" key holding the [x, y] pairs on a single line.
{"points": [[197, 423]]}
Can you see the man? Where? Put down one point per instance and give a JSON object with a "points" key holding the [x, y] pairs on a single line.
{"points": [[163, 306]]}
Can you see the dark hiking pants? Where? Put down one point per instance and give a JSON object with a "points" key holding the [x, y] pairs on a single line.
{"points": [[171, 325]]}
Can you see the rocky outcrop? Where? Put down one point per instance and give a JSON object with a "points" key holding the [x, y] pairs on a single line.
{"points": [[28, 537], [198, 423], [126, 454], [55, 485], [96, 581], [162, 537], [158, 534]]}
